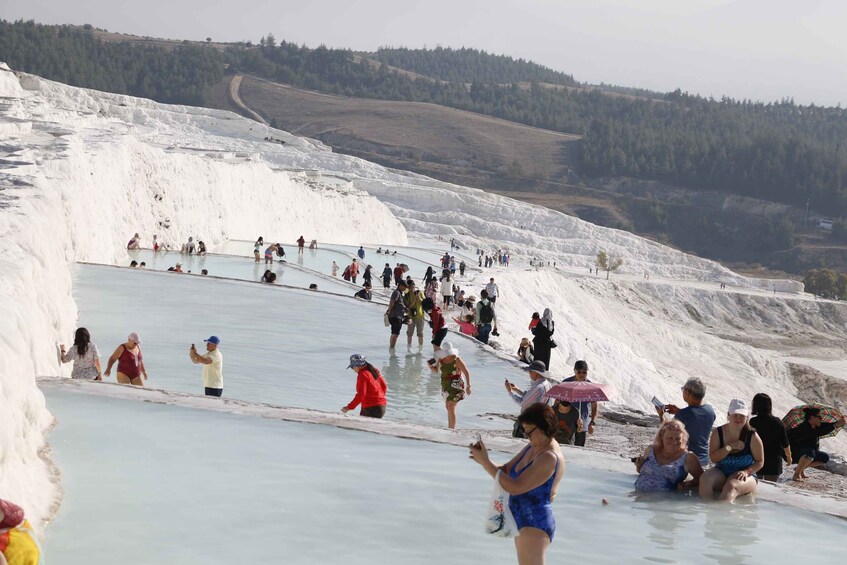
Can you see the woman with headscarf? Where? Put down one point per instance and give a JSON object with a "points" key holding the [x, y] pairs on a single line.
{"points": [[542, 338]]}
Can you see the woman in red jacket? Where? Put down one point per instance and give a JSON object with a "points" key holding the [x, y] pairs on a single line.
{"points": [[370, 389]]}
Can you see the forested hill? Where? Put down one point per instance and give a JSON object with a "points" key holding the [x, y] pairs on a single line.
{"points": [[781, 151], [74, 56], [469, 65]]}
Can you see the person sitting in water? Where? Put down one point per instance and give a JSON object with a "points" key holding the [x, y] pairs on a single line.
{"points": [[133, 264], [177, 268], [204, 272], [379, 250], [269, 276], [201, 248], [134, 243], [142, 265], [365, 293], [737, 452], [805, 441], [665, 465], [313, 286]]}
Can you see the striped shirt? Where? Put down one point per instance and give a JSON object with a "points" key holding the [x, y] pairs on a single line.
{"points": [[534, 394]]}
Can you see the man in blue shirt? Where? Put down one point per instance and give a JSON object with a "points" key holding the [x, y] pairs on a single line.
{"points": [[580, 371], [697, 418]]}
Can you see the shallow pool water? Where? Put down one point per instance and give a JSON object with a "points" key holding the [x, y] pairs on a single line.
{"points": [[242, 268], [154, 484], [316, 259], [280, 346]]}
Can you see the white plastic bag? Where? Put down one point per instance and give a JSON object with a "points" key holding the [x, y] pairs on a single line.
{"points": [[499, 520]]}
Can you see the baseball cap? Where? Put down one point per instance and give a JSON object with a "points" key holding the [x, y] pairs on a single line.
{"points": [[738, 406], [135, 338], [213, 339]]}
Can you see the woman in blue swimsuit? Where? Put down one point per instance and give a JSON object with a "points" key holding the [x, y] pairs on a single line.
{"points": [[531, 478], [737, 452]]}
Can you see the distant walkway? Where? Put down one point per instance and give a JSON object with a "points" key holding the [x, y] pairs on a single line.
{"points": [[234, 87]]}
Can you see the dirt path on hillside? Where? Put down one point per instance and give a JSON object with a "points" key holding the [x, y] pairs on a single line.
{"points": [[234, 87]]}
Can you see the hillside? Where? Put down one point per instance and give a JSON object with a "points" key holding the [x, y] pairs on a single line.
{"points": [[449, 144], [691, 149]]}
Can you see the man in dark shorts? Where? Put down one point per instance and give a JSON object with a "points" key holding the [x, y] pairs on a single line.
{"points": [[805, 441], [396, 312]]}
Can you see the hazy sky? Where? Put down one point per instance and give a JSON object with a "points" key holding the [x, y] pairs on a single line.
{"points": [[760, 49]]}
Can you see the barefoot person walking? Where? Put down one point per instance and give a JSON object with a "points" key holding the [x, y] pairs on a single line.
{"points": [[453, 387], [130, 362]]}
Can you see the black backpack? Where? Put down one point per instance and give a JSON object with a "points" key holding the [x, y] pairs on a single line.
{"points": [[486, 313]]}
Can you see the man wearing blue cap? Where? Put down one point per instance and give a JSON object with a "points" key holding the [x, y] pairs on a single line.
{"points": [[213, 366]]}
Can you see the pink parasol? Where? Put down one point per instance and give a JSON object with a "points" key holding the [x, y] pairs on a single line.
{"points": [[578, 391]]}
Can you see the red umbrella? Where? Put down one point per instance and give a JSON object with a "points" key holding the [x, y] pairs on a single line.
{"points": [[578, 391]]}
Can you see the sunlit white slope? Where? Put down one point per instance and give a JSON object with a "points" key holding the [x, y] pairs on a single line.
{"points": [[80, 173]]}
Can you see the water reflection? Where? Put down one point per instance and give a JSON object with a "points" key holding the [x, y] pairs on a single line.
{"points": [[731, 529]]}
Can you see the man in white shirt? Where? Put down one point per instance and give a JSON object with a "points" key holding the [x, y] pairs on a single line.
{"points": [[213, 365], [492, 290]]}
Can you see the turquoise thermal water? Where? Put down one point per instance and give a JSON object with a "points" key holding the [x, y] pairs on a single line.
{"points": [[281, 346], [151, 484]]}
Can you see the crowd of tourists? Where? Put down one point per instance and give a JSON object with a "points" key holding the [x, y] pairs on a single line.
{"points": [[687, 454]]}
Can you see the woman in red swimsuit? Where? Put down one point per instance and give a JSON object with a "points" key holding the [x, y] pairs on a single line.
{"points": [[130, 362]]}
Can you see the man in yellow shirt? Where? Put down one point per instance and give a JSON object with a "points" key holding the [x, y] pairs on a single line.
{"points": [[213, 364]]}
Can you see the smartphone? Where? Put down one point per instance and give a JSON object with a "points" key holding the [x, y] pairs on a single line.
{"points": [[478, 443], [633, 459]]}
